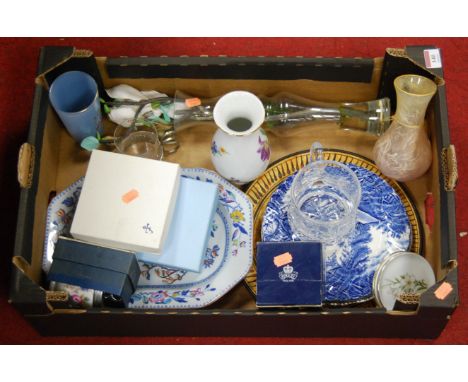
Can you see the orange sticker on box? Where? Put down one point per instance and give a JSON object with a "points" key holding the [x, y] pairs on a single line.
{"points": [[130, 196], [192, 102], [443, 290], [283, 259]]}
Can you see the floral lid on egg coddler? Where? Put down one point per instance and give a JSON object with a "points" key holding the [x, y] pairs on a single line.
{"points": [[402, 276]]}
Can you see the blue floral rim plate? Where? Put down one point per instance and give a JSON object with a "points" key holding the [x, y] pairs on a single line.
{"points": [[227, 260], [387, 222]]}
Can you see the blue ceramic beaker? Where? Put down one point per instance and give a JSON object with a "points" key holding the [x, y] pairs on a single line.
{"points": [[74, 96]]}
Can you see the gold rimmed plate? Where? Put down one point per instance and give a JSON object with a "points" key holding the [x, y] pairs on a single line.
{"points": [[394, 224]]}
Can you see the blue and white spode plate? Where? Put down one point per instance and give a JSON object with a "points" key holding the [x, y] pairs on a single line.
{"points": [[227, 259], [383, 227]]}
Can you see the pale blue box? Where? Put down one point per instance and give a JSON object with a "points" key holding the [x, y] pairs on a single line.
{"points": [[187, 239]]}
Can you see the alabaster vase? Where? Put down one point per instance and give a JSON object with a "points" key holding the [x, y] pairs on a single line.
{"points": [[403, 152], [240, 151]]}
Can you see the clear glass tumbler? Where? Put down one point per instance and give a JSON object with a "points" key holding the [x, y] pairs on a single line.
{"points": [[141, 141], [324, 199]]}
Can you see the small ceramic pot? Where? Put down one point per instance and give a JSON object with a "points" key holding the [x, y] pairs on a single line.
{"points": [[240, 150], [402, 276], [78, 297]]}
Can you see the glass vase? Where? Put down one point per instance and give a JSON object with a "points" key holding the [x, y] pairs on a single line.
{"points": [[286, 110], [403, 152]]}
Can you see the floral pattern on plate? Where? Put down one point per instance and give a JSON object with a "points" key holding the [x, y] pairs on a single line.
{"points": [[217, 250], [350, 265], [59, 218], [227, 259]]}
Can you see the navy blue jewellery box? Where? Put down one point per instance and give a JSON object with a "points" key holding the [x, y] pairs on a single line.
{"points": [[289, 274], [95, 267]]}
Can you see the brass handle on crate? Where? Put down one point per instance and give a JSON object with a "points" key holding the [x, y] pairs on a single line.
{"points": [[449, 168], [25, 165]]}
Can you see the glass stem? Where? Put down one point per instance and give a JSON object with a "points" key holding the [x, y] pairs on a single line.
{"points": [[309, 114]]}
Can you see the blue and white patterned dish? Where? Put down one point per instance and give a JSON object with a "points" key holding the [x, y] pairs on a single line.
{"points": [[350, 265], [59, 218], [227, 259]]}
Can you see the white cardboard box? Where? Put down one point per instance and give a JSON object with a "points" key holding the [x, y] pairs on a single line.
{"points": [[126, 202]]}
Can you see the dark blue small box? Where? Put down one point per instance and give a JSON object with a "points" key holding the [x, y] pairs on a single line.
{"points": [[289, 274], [95, 267]]}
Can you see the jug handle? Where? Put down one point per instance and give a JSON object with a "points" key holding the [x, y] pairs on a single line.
{"points": [[316, 152]]}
